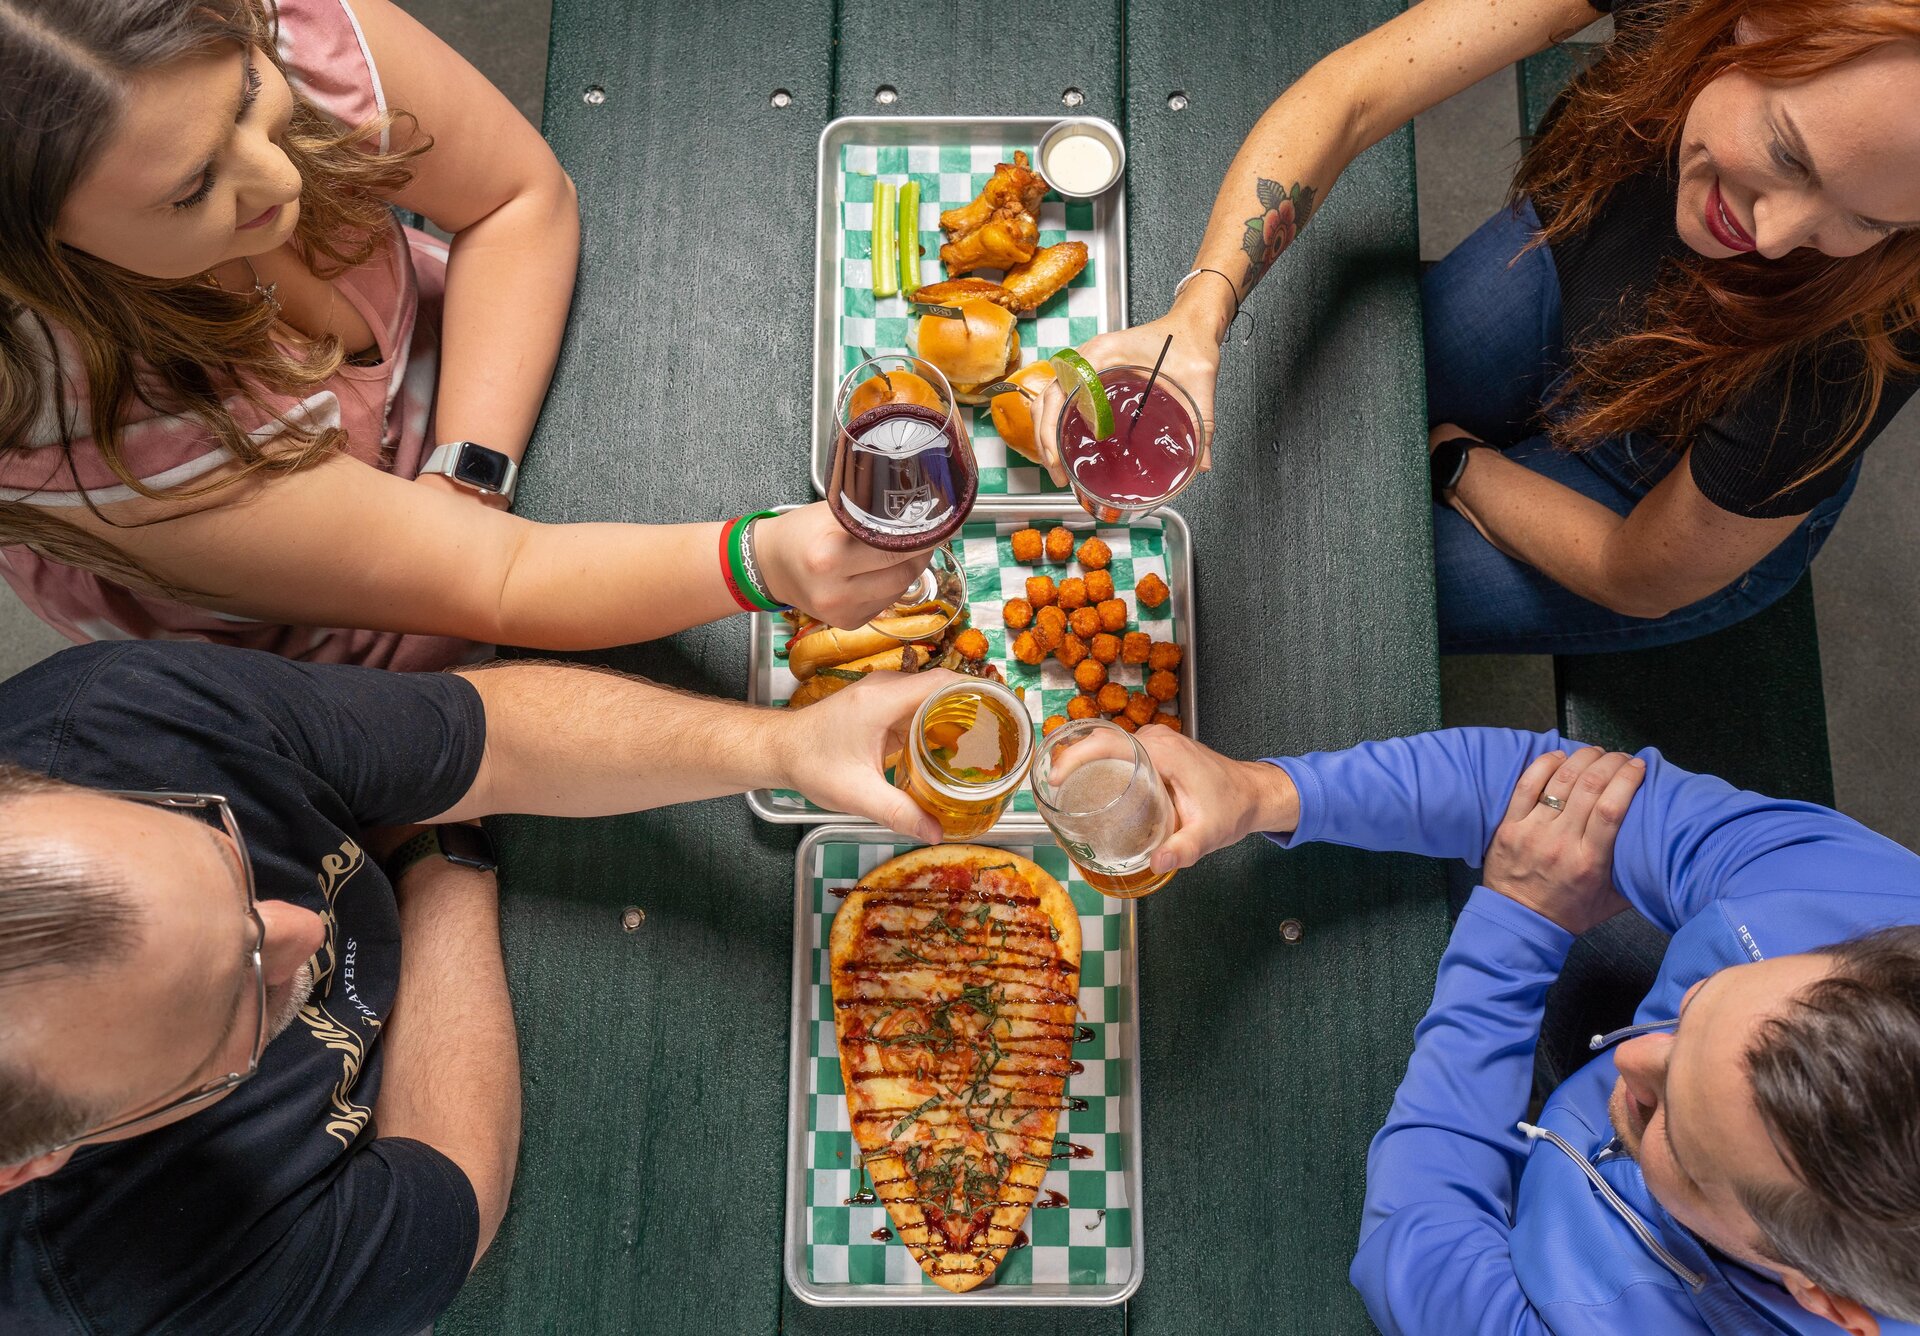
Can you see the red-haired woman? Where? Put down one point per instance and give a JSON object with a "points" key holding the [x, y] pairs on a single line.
{"points": [[1699, 312]]}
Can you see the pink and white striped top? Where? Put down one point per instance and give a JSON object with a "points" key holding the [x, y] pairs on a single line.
{"points": [[386, 411]]}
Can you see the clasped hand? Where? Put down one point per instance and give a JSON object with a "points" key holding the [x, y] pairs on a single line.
{"points": [[1559, 863]]}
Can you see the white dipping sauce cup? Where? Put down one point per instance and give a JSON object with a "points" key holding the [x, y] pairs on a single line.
{"points": [[1082, 126]]}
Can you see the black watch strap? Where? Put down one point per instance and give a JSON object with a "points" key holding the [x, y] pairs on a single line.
{"points": [[461, 845], [422, 846], [1445, 464]]}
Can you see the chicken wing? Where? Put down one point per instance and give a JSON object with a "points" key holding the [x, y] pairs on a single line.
{"points": [[951, 292], [1013, 185], [1034, 282], [1009, 239]]}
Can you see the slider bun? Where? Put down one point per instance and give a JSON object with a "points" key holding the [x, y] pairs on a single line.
{"points": [[972, 351], [971, 394], [1013, 414]]}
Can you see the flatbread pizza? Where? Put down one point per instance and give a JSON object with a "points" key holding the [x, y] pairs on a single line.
{"points": [[956, 982]]}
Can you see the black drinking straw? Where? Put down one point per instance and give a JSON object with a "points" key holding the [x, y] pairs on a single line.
{"points": [[1150, 379]]}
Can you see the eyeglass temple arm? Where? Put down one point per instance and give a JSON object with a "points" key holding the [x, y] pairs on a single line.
{"points": [[1611, 1037]]}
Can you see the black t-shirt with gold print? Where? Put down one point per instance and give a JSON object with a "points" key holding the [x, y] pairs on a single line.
{"points": [[279, 1209]]}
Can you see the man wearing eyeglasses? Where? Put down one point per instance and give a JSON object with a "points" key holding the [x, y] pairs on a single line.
{"points": [[229, 1101], [1743, 1160]]}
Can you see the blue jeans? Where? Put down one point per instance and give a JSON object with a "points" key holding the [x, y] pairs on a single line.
{"points": [[1494, 353]]}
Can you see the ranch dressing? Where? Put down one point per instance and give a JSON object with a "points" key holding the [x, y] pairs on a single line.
{"points": [[1078, 164]]}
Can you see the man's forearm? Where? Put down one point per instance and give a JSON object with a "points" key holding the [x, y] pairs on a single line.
{"points": [[451, 1066], [1440, 794], [565, 741], [1433, 1253]]}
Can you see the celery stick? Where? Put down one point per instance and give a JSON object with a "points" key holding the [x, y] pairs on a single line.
{"points": [[909, 236], [886, 265]]}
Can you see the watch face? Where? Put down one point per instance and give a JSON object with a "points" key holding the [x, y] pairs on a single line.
{"points": [[466, 846], [478, 466]]}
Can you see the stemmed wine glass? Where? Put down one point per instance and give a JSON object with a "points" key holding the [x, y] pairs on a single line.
{"points": [[939, 590], [904, 477]]}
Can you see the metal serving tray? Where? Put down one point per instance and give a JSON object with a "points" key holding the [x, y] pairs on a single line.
{"points": [[1159, 543], [1090, 1252], [951, 157]]}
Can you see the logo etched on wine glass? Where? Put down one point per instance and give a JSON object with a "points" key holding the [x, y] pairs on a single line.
{"points": [[903, 474]]}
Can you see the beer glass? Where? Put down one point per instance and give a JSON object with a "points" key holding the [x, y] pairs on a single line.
{"points": [[967, 752], [1106, 805]]}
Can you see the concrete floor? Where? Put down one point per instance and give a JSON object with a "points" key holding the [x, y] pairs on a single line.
{"points": [[1868, 581]]}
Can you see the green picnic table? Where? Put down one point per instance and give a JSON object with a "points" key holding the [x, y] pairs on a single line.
{"points": [[655, 1044]]}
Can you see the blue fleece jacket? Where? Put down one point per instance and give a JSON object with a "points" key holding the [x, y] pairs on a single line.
{"points": [[1469, 1226]]}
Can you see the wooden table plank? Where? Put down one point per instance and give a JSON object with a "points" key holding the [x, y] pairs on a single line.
{"points": [[1267, 1066], [978, 57], [652, 1173]]}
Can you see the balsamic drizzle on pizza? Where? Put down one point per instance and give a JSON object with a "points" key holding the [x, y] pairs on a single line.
{"points": [[956, 983]]}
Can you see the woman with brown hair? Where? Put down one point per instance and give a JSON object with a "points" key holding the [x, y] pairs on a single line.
{"points": [[240, 403], [1701, 307]]}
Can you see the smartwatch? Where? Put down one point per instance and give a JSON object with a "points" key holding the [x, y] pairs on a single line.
{"points": [[461, 845], [475, 467], [1446, 463]]}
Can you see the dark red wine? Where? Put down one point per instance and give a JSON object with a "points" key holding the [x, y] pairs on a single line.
{"points": [[1142, 462], [903, 477]]}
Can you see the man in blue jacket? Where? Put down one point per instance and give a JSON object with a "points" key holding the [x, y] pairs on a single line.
{"points": [[1746, 1159]]}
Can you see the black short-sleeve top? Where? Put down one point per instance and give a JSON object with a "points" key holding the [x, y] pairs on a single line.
{"points": [[1747, 458], [280, 1208]]}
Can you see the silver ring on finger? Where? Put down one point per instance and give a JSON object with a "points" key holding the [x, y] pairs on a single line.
{"points": [[1557, 804]]}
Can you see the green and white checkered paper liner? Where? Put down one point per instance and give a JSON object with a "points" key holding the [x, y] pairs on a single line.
{"points": [[951, 175], [1089, 1241], [985, 547]]}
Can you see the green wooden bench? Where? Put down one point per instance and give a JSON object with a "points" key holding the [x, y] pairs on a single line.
{"points": [[653, 1172], [1745, 703]]}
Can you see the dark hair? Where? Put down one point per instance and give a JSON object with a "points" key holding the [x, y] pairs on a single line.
{"points": [[54, 916], [181, 346], [1837, 1078]]}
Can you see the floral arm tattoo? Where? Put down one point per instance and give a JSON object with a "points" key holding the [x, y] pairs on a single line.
{"points": [[1284, 211]]}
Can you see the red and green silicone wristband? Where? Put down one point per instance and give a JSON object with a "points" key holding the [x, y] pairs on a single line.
{"points": [[743, 579], [727, 531]]}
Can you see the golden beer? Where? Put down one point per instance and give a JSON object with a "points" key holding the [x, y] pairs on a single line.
{"points": [[1126, 885], [967, 753]]}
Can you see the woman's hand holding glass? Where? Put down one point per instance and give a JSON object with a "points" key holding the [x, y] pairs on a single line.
{"points": [[812, 563], [1193, 361]]}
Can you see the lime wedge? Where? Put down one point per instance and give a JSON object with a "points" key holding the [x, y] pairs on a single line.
{"points": [[1082, 384]]}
